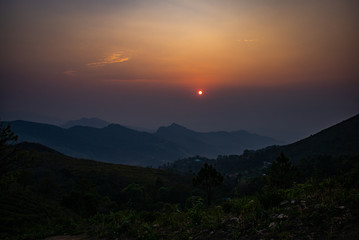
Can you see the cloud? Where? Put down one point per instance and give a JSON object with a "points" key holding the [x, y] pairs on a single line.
{"points": [[113, 58], [247, 41], [69, 72]]}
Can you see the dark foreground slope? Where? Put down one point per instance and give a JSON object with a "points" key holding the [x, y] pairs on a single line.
{"points": [[57, 195], [44, 192]]}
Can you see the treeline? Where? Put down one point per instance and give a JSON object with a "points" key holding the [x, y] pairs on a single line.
{"points": [[250, 163]]}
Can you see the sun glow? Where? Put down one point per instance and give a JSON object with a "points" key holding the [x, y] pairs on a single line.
{"points": [[200, 92]]}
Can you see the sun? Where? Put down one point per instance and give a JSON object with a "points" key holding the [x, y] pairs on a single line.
{"points": [[200, 92]]}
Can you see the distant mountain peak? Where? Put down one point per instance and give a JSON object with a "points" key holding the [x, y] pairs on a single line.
{"points": [[174, 127], [87, 122], [119, 126]]}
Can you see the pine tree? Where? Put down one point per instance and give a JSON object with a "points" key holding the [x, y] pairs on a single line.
{"points": [[281, 173], [207, 178]]}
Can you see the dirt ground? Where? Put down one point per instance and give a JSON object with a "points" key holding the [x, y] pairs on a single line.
{"points": [[79, 237], [76, 237]]}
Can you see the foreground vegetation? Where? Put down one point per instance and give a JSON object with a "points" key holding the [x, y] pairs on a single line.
{"points": [[306, 211], [44, 193], [318, 208]]}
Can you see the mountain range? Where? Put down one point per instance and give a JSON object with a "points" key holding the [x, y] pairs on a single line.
{"points": [[86, 122], [212, 144], [342, 139], [118, 144]]}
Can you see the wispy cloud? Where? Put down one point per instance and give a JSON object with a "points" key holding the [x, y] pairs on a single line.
{"points": [[246, 40], [113, 58], [69, 72]]}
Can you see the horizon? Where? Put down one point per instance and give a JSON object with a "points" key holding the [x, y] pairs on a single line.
{"points": [[282, 69], [61, 123]]}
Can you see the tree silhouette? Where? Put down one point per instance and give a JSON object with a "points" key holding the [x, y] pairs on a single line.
{"points": [[7, 138], [7, 141], [281, 173], [207, 178]]}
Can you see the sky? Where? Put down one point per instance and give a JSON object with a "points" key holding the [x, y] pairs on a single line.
{"points": [[280, 68]]}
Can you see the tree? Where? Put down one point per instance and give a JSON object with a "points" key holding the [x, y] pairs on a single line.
{"points": [[7, 140], [207, 178], [281, 173], [137, 197]]}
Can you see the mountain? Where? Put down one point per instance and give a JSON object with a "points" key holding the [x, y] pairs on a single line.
{"points": [[339, 140], [212, 144], [48, 162], [87, 122], [31, 117], [113, 143], [118, 144]]}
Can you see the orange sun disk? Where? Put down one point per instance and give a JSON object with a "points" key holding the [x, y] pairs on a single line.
{"points": [[200, 92]]}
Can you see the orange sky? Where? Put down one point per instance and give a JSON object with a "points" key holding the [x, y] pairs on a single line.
{"points": [[181, 44], [193, 42]]}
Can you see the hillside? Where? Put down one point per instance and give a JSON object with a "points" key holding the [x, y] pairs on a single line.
{"points": [[42, 187], [338, 140], [117, 144]]}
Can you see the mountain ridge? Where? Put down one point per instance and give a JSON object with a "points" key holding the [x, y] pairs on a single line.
{"points": [[119, 144], [89, 122], [214, 143]]}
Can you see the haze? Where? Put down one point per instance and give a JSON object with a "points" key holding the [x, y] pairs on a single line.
{"points": [[274, 67]]}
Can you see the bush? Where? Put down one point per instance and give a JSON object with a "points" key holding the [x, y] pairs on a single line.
{"points": [[196, 212], [271, 197]]}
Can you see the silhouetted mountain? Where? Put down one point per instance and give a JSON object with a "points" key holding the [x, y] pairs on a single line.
{"points": [[212, 144], [113, 143], [31, 117], [339, 140], [87, 122], [119, 144]]}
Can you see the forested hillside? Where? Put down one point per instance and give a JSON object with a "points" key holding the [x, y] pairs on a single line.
{"points": [[45, 193]]}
